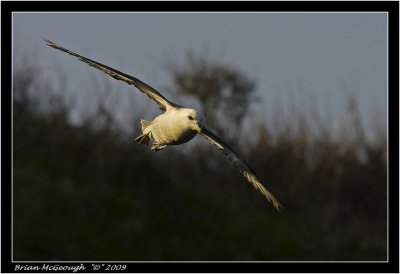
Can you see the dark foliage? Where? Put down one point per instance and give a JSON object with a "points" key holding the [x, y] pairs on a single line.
{"points": [[84, 193]]}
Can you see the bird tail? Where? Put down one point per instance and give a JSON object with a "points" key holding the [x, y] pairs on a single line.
{"points": [[143, 139]]}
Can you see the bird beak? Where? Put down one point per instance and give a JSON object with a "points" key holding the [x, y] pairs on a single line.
{"points": [[199, 125]]}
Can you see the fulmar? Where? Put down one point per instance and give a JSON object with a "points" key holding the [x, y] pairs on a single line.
{"points": [[177, 125]]}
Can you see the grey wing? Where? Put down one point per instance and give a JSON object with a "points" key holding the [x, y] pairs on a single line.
{"points": [[240, 164], [163, 103]]}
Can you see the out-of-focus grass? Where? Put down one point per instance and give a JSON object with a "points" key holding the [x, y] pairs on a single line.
{"points": [[82, 193]]}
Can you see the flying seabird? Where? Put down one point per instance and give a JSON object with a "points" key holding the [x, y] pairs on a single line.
{"points": [[177, 125]]}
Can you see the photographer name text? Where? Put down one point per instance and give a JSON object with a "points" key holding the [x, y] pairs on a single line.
{"points": [[49, 267]]}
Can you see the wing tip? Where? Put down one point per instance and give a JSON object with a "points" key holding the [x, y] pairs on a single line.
{"points": [[278, 206], [49, 43], [54, 45]]}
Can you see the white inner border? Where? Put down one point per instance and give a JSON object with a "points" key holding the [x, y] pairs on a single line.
{"points": [[387, 144]]}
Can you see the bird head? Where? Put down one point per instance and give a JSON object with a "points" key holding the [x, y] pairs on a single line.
{"points": [[192, 118]]}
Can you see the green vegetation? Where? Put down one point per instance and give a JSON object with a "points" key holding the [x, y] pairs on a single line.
{"points": [[90, 193]]}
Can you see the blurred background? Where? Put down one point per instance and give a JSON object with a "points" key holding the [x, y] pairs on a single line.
{"points": [[303, 96]]}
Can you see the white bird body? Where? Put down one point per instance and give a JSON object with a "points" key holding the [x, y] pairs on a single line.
{"points": [[177, 125], [173, 127]]}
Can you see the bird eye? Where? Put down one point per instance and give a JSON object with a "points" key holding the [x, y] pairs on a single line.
{"points": [[190, 117]]}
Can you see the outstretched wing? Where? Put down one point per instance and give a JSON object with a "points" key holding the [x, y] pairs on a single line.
{"points": [[240, 164], [143, 87]]}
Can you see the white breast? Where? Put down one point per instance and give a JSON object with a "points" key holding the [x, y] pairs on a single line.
{"points": [[169, 128]]}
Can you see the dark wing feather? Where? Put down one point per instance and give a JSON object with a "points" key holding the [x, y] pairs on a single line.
{"points": [[148, 90], [240, 164]]}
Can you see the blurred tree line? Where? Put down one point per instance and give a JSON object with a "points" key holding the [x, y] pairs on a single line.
{"points": [[88, 192]]}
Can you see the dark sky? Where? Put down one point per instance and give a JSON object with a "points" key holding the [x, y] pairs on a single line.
{"points": [[309, 59]]}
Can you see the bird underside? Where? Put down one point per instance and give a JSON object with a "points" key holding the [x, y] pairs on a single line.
{"points": [[144, 139]]}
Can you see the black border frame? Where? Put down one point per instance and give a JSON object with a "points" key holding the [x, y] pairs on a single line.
{"points": [[392, 7]]}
